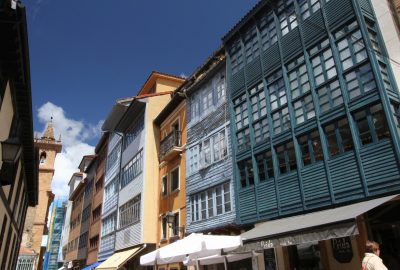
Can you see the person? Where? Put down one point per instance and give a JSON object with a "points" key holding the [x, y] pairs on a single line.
{"points": [[371, 260]]}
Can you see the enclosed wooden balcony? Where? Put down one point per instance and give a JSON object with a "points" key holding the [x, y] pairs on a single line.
{"points": [[171, 146]]}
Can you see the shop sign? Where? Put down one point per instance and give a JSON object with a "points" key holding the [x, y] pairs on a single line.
{"points": [[342, 249]]}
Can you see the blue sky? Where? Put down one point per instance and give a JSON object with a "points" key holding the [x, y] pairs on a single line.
{"points": [[86, 54]]}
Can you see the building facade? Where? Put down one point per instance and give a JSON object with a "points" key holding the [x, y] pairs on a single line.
{"points": [[314, 108], [55, 230], [171, 141], [18, 155], [110, 197], [97, 200], [134, 222], [209, 181], [81, 188]]}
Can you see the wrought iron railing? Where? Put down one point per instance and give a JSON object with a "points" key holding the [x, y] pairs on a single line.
{"points": [[172, 140]]}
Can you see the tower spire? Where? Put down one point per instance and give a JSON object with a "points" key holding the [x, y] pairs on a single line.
{"points": [[49, 132]]}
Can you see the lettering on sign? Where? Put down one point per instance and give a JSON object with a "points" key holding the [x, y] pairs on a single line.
{"points": [[342, 249]]}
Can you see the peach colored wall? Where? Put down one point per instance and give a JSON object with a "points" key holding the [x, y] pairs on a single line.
{"points": [[151, 188]]}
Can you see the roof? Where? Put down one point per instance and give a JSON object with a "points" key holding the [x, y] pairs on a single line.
{"points": [[78, 188], [14, 58], [114, 116], [134, 110], [212, 62], [154, 75], [254, 10], [171, 106], [103, 141]]}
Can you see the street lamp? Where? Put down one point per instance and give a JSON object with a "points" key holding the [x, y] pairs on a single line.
{"points": [[10, 152]]}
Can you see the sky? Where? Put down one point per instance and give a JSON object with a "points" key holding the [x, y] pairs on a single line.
{"points": [[86, 54]]}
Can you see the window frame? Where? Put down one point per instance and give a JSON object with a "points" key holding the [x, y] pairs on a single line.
{"points": [[171, 182], [197, 206]]}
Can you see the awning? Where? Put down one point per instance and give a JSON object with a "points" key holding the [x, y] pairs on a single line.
{"points": [[191, 247], [119, 258], [215, 259], [316, 226], [92, 266], [114, 117]]}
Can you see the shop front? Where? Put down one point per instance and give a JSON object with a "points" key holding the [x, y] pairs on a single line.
{"points": [[329, 239]]}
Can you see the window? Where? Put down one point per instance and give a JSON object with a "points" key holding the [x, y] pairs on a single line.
{"points": [[219, 146], [112, 188], [322, 62], [360, 81], [311, 150], [96, 213], [276, 90], [287, 16], [194, 108], [268, 30], [246, 173], [395, 107], [164, 227], [329, 96], [109, 224], [207, 99], [242, 122], [175, 225], [258, 101], [129, 212], [243, 139], [221, 88], [83, 240], [193, 159], [211, 202], [265, 167], [261, 130], [86, 213], [308, 7], [113, 157], [281, 120], [338, 136], [241, 112], [174, 179], [236, 56], [94, 241], [304, 109], [251, 46], [164, 187], [99, 184], [286, 157], [214, 148], [371, 123], [351, 48], [372, 33], [298, 78], [88, 188], [132, 169], [134, 130]]}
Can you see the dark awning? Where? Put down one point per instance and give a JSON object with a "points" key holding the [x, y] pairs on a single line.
{"points": [[114, 117], [316, 226], [135, 109]]}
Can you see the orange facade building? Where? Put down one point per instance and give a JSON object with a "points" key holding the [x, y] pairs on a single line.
{"points": [[171, 123], [98, 165]]}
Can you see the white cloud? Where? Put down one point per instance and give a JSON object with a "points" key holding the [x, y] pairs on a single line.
{"points": [[74, 135]]}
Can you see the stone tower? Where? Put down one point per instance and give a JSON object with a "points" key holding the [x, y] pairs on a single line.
{"points": [[36, 219]]}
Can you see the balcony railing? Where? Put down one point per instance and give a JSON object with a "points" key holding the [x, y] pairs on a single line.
{"points": [[171, 141]]}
